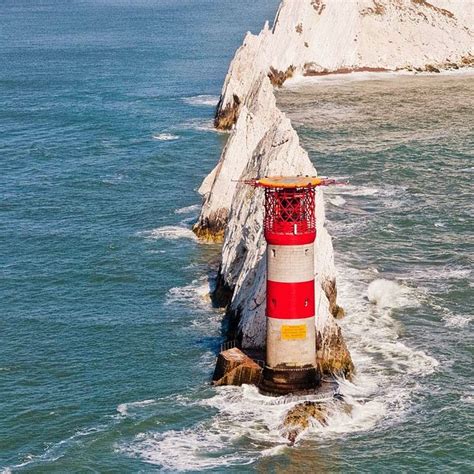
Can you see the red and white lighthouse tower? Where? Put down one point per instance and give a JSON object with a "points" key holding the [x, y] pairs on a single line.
{"points": [[290, 232]]}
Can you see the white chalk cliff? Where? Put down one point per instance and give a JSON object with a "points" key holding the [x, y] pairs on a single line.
{"points": [[308, 37], [313, 37]]}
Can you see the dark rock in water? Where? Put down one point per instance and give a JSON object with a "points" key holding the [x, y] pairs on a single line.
{"points": [[235, 368], [299, 418], [212, 228]]}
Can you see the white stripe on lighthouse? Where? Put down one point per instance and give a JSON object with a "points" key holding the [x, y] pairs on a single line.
{"points": [[291, 342], [290, 263]]}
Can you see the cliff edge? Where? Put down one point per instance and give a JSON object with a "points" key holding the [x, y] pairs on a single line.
{"points": [[317, 37]]}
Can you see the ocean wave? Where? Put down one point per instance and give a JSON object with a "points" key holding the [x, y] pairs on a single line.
{"points": [[389, 371], [124, 408], [202, 100], [198, 292], [337, 201], [456, 321], [390, 294], [165, 137], [354, 190], [186, 450], [169, 232], [304, 82], [58, 450], [244, 413], [193, 209], [467, 398], [202, 125], [436, 273]]}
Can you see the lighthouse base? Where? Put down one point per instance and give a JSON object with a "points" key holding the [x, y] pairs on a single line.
{"points": [[284, 381]]}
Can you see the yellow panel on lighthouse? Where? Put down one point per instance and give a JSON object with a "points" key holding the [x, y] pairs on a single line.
{"points": [[293, 333]]}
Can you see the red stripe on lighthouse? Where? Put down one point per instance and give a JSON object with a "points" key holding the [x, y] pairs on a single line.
{"points": [[290, 300]]}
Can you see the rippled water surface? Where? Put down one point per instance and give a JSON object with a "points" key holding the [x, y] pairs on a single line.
{"points": [[107, 333]]}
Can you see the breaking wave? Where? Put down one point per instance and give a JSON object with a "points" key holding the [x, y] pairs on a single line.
{"points": [[390, 294], [202, 100], [193, 209], [380, 394], [337, 201], [203, 125], [165, 137], [456, 321], [125, 408], [169, 232], [198, 292]]}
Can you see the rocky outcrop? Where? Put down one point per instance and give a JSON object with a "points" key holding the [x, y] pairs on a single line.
{"points": [[218, 188], [263, 142], [299, 418], [235, 368], [317, 37]]}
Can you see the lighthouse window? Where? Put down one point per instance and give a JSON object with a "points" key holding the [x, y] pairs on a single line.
{"points": [[306, 252], [306, 303], [274, 302], [274, 253]]}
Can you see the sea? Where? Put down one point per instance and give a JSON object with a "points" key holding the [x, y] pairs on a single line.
{"points": [[108, 336]]}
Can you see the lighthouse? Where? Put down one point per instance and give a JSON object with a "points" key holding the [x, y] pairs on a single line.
{"points": [[290, 232]]}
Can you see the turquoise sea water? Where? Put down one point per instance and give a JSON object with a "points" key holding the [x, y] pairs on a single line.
{"points": [[107, 338]]}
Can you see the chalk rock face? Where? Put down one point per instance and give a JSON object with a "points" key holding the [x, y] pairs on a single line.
{"points": [[264, 143], [314, 37], [219, 186], [243, 265]]}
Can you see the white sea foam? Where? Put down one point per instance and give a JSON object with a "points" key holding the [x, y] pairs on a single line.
{"points": [[358, 190], [337, 201], [193, 209], [305, 82], [165, 137], [186, 450], [198, 292], [467, 398], [456, 321], [124, 408], [379, 394], [444, 273], [244, 414], [201, 125], [169, 232], [58, 450], [388, 370], [202, 100], [390, 294]]}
